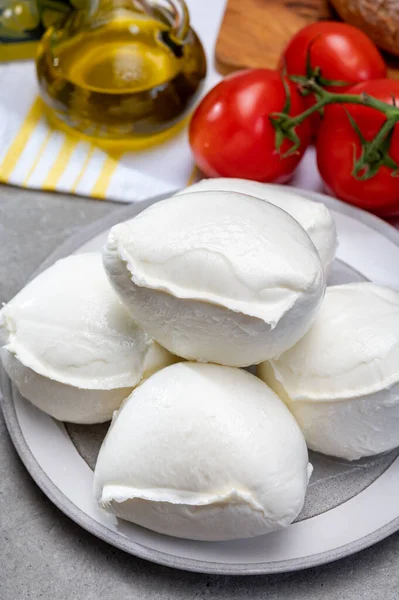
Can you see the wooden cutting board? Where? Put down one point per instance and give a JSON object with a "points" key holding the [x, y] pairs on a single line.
{"points": [[254, 32]]}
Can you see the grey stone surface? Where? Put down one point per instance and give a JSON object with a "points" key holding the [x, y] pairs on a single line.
{"points": [[44, 555]]}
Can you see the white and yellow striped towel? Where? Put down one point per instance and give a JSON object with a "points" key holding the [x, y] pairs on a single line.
{"points": [[35, 155]]}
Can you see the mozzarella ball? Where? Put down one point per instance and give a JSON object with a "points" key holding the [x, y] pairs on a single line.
{"points": [[203, 452], [217, 276], [70, 346], [341, 381], [314, 217]]}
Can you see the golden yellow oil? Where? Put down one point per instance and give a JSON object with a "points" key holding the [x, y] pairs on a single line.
{"points": [[119, 75]]}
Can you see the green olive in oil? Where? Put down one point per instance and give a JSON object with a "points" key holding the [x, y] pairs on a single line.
{"points": [[121, 70]]}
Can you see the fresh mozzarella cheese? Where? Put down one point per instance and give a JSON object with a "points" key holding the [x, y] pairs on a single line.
{"points": [[314, 217], [341, 381], [71, 347], [203, 452], [217, 276]]}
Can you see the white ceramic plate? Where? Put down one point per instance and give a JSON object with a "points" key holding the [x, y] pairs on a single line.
{"points": [[349, 506]]}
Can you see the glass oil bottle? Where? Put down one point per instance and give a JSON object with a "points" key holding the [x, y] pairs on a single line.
{"points": [[121, 68]]}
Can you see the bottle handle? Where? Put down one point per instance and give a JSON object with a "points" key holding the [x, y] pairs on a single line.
{"points": [[179, 12], [181, 23]]}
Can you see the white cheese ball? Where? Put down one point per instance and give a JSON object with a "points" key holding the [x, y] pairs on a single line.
{"points": [[217, 276], [341, 381], [70, 346], [314, 217], [203, 452]]}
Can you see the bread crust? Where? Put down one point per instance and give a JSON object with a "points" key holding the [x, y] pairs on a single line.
{"points": [[379, 19]]}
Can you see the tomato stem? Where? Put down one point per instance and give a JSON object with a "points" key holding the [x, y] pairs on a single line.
{"points": [[375, 153], [325, 97]]}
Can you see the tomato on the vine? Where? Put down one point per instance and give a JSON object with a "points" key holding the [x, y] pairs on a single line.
{"points": [[339, 145], [336, 52], [231, 134]]}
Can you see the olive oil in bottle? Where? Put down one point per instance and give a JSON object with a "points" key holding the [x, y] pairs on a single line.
{"points": [[120, 72]]}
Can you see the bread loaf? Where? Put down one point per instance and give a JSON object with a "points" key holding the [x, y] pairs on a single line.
{"points": [[379, 19]]}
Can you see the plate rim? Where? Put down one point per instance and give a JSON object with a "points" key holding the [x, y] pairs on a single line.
{"points": [[135, 548]]}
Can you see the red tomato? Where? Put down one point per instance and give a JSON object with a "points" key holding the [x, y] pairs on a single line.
{"points": [[342, 52], [338, 142], [231, 134]]}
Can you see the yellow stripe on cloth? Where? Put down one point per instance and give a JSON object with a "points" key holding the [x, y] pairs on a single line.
{"points": [[61, 163], [100, 187], [194, 176], [38, 156], [15, 150], [83, 169]]}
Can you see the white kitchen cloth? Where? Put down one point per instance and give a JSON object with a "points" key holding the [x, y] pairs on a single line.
{"points": [[35, 155]]}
